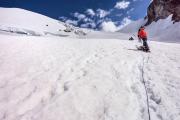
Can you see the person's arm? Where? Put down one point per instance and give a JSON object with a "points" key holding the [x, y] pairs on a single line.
{"points": [[138, 34], [139, 38]]}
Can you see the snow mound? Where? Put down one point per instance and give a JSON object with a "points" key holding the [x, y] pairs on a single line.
{"points": [[133, 26], [163, 30], [19, 21]]}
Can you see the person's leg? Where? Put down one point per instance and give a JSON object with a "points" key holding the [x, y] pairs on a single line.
{"points": [[139, 40], [145, 44]]}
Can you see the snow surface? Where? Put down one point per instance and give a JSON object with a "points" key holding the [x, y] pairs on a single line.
{"points": [[91, 78]]}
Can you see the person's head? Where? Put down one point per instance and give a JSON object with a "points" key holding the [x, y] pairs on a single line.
{"points": [[142, 27]]}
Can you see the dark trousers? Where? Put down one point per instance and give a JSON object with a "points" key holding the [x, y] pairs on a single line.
{"points": [[145, 44]]}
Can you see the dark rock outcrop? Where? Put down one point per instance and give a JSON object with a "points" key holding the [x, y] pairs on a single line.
{"points": [[161, 9]]}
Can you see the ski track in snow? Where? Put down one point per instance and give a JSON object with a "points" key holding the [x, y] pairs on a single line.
{"points": [[52, 78]]}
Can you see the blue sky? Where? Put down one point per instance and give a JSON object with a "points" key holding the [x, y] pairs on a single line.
{"points": [[86, 13]]}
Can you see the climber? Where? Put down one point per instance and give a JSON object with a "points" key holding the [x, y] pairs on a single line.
{"points": [[142, 35]]}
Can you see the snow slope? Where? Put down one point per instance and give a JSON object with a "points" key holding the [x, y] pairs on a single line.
{"points": [[92, 78], [163, 30], [19, 21]]}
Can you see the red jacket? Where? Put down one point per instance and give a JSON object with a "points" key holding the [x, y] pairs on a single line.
{"points": [[142, 33]]}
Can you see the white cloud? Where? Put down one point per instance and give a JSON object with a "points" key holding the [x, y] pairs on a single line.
{"points": [[72, 22], [129, 11], [102, 13], [63, 18], [87, 20], [88, 25], [124, 22], [79, 15], [108, 26], [90, 12], [139, 0], [122, 4], [119, 15]]}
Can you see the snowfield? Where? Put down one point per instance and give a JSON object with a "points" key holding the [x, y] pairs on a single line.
{"points": [[52, 78], [47, 74]]}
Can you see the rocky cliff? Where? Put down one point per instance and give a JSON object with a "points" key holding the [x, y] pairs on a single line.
{"points": [[161, 9]]}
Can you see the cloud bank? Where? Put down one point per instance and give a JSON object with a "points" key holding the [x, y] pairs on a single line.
{"points": [[101, 19]]}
